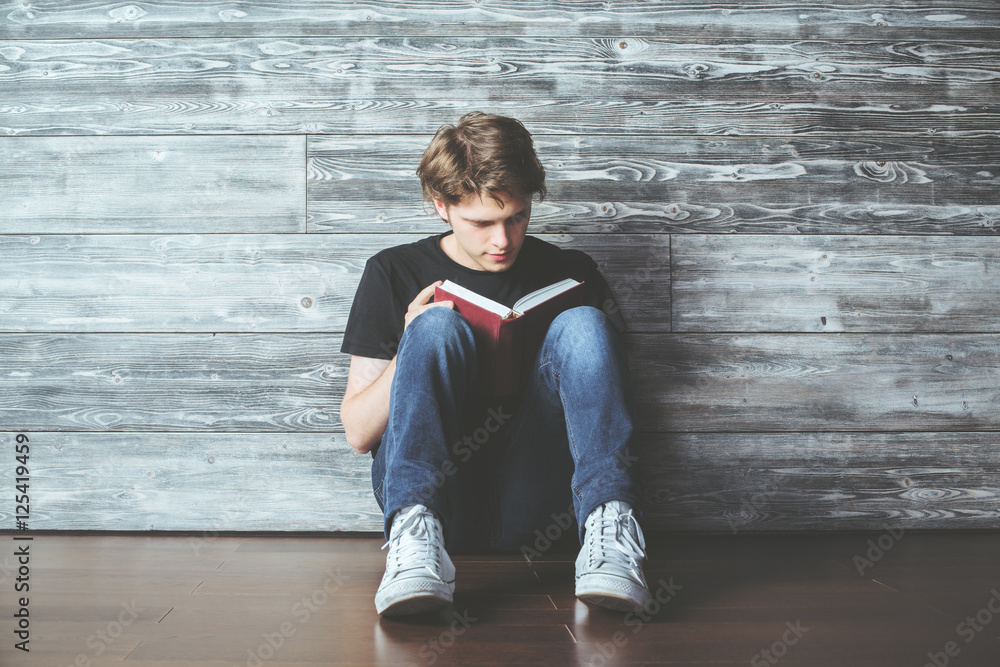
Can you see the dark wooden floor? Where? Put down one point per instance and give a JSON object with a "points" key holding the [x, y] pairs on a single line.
{"points": [[220, 601]]}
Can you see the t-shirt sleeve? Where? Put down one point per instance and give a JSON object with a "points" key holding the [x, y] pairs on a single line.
{"points": [[376, 322]]}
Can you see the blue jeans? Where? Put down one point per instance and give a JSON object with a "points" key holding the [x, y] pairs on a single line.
{"points": [[499, 477]]}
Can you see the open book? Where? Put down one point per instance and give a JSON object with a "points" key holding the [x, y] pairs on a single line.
{"points": [[508, 338]]}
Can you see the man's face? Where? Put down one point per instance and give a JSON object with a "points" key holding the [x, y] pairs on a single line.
{"points": [[487, 237]]}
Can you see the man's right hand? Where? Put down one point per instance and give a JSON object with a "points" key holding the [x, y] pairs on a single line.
{"points": [[419, 304]]}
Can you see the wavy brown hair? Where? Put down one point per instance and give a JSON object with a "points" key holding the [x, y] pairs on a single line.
{"points": [[482, 155]]}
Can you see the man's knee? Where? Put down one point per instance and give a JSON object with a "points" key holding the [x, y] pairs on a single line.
{"points": [[582, 341], [440, 328], [584, 325]]}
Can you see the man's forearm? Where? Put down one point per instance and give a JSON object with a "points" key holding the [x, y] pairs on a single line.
{"points": [[366, 414]]}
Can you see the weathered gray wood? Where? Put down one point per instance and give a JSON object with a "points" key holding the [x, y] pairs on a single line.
{"points": [[835, 283], [878, 20], [289, 76], [190, 283], [815, 382], [120, 255], [301, 112], [582, 215], [820, 481], [684, 383], [143, 184], [254, 283], [665, 184], [187, 382], [346, 160], [217, 482], [199, 482], [426, 68]]}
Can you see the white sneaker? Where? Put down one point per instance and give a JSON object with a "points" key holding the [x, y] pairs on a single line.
{"points": [[419, 575], [609, 567]]}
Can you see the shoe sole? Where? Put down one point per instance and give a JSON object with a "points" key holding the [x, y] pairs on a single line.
{"points": [[405, 600], [609, 602], [630, 598], [415, 605]]}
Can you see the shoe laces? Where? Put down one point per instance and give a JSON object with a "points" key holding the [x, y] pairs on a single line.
{"points": [[615, 538], [414, 542]]}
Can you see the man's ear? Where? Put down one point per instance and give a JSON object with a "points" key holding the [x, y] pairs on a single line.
{"points": [[442, 210]]}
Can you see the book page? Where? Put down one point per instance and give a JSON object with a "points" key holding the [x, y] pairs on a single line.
{"points": [[529, 301], [481, 301]]}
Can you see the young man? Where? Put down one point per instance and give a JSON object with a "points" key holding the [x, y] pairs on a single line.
{"points": [[456, 469]]}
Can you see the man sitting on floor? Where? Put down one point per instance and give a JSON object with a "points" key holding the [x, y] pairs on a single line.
{"points": [[456, 468]]}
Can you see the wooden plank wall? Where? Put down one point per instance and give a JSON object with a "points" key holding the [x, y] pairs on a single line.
{"points": [[796, 203]]}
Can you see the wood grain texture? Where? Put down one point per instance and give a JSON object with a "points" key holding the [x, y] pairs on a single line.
{"points": [[186, 382], [302, 113], [674, 216], [737, 482], [430, 67], [199, 482], [684, 383], [254, 282], [816, 382], [733, 596], [142, 184], [834, 283], [877, 20], [661, 184], [54, 83], [191, 190], [725, 482]]}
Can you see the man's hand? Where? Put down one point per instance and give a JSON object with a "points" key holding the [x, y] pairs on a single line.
{"points": [[419, 304]]}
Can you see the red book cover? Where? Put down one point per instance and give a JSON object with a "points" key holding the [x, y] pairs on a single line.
{"points": [[508, 342]]}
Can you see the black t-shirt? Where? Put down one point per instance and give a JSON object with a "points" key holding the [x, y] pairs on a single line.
{"points": [[394, 276]]}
